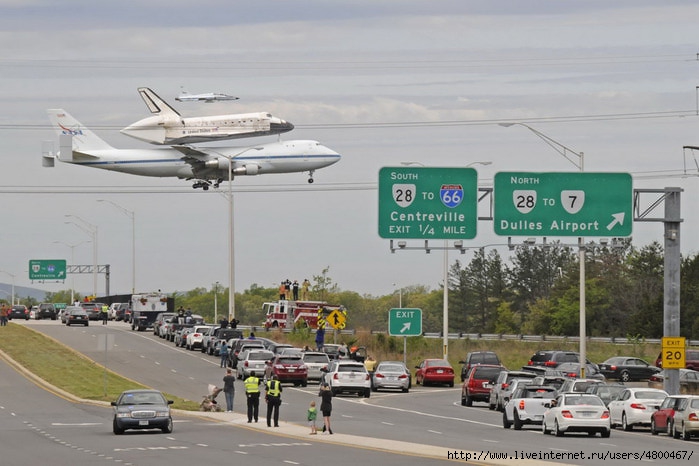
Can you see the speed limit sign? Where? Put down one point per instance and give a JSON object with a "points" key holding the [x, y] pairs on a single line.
{"points": [[673, 352]]}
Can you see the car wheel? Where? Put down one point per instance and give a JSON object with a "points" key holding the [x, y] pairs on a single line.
{"points": [[625, 423], [685, 435], [556, 430], [653, 430], [669, 427], [469, 401], [517, 422], [605, 433], [505, 422], [544, 430], [86, 324], [624, 376], [67, 324], [116, 429], [675, 433], [168, 428], [406, 390], [451, 384], [305, 384], [591, 433]]}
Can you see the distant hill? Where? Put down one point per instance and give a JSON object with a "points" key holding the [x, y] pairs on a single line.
{"points": [[21, 292]]}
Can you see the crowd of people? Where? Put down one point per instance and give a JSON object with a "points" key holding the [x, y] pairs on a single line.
{"points": [[290, 290]]}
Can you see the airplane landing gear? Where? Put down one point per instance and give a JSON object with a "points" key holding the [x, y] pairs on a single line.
{"points": [[310, 176], [217, 183], [203, 184]]}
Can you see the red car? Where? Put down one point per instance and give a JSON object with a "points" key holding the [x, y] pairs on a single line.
{"points": [[661, 419], [290, 368], [479, 383], [434, 371]]}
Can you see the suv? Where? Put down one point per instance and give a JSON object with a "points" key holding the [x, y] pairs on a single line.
{"points": [[344, 375], [552, 359], [46, 311], [480, 381], [236, 347], [94, 310], [502, 391], [212, 341], [478, 357], [291, 369], [315, 363]]}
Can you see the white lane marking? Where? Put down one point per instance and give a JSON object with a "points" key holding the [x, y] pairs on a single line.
{"points": [[434, 432]]}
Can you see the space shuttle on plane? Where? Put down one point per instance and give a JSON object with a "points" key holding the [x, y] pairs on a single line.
{"points": [[206, 166], [168, 127]]}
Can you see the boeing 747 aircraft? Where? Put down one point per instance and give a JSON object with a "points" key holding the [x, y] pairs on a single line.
{"points": [[168, 127], [207, 166]]}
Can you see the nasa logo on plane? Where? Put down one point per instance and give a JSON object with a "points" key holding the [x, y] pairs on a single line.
{"points": [[451, 195], [68, 131]]}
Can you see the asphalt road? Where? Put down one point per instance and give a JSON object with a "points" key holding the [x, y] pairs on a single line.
{"points": [[428, 416]]}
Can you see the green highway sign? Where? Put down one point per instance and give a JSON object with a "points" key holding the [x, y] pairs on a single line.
{"points": [[428, 202], [563, 204], [405, 322], [40, 269]]}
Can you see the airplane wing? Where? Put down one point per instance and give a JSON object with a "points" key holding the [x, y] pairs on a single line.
{"points": [[189, 151]]}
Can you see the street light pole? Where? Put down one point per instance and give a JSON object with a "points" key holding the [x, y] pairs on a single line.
{"points": [[72, 262], [132, 215], [12, 303], [91, 230], [580, 164]]}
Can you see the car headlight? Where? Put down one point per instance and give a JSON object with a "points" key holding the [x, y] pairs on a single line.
{"points": [[162, 413], [123, 415]]}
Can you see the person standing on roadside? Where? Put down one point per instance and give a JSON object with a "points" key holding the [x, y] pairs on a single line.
{"points": [[3, 315], [252, 392], [273, 397], [326, 406], [229, 389], [105, 314], [311, 416], [224, 353]]}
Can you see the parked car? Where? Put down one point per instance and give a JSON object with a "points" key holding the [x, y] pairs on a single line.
{"points": [[478, 357], [236, 347], [290, 369], [572, 369], [46, 311], [391, 375], [606, 392], [626, 369], [94, 310], [315, 361], [180, 337], [344, 376], [661, 420], [335, 351], [122, 312], [161, 319], [479, 383], [196, 337], [691, 359], [552, 358], [277, 348], [18, 311], [689, 381], [66, 312], [142, 409], [553, 380], [253, 360], [504, 385], [686, 421], [502, 390], [431, 371], [634, 406], [576, 412], [212, 341], [527, 406], [77, 316]]}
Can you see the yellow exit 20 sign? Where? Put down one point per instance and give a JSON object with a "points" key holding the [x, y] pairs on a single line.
{"points": [[673, 352]]}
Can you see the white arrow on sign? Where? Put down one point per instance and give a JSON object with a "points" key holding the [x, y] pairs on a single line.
{"points": [[618, 218], [406, 327]]}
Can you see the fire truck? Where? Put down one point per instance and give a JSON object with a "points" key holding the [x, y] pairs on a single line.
{"points": [[290, 314]]}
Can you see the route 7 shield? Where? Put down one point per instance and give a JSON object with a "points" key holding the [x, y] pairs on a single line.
{"points": [[572, 200], [404, 194]]}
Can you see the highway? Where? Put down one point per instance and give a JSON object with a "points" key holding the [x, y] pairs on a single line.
{"points": [[430, 416]]}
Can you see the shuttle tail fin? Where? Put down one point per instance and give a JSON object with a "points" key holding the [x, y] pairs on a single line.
{"points": [[83, 138], [155, 104]]}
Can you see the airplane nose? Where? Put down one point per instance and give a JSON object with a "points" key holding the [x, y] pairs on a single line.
{"points": [[281, 126]]}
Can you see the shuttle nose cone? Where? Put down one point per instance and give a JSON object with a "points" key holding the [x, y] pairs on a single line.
{"points": [[280, 126]]}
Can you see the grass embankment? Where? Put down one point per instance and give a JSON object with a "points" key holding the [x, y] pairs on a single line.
{"points": [[67, 369]]}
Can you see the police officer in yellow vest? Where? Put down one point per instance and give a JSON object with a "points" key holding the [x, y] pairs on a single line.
{"points": [[252, 392], [274, 400]]}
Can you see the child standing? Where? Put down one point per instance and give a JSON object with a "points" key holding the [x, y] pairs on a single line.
{"points": [[312, 413]]}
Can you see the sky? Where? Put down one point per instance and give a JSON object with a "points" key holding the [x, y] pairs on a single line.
{"points": [[379, 82]]}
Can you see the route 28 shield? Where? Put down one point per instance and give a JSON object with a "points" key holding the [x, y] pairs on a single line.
{"points": [[404, 194], [524, 200], [572, 200], [451, 194]]}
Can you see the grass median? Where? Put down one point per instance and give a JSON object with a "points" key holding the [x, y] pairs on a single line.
{"points": [[67, 369]]}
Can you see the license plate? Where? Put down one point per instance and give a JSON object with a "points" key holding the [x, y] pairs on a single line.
{"points": [[292, 370], [538, 417], [142, 423], [392, 379], [440, 371], [587, 413], [487, 385]]}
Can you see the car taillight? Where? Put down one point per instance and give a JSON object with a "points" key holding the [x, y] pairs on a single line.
{"points": [[378, 375], [403, 376], [693, 417], [567, 414], [335, 376], [605, 415], [530, 363], [613, 368], [550, 364], [637, 406], [504, 385], [366, 377], [246, 364], [521, 404]]}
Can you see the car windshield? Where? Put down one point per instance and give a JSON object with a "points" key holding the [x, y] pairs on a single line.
{"points": [[584, 400], [485, 358], [296, 361], [490, 373], [391, 368], [260, 356], [315, 358], [350, 368], [538, 393], [437, 362], [651, 395], [142, 399]]}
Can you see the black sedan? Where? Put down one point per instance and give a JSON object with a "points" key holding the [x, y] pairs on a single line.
{"points": [[142, 409], [77, 316], [18, 311], [626, 369]]}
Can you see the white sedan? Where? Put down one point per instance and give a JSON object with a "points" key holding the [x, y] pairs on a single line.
{"points": [[577, 412], [634, 406]]}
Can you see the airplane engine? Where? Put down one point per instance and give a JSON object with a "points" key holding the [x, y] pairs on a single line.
{"points": [[248, 169], [219, 163]]}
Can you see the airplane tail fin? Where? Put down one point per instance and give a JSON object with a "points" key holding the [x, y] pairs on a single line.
{"points": [[83, 138], [155, 104]]}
